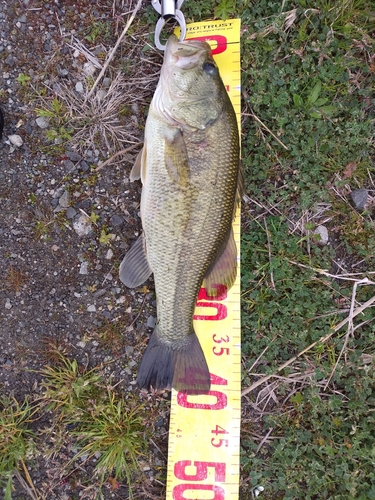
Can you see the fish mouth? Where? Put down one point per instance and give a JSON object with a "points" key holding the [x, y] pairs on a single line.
{"points": [[186, 54]]}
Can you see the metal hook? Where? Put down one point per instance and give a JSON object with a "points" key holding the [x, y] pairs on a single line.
{"points": [[168, 9]]}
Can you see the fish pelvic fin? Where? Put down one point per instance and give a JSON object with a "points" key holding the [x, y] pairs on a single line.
{"points": [[134, 269], [164, 366]]}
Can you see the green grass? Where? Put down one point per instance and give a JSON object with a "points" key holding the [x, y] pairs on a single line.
{"points": [[16, 441], [102, 423], [87, 415], [308, 75]]}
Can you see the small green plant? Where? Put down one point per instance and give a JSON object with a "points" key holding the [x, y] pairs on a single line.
{"points": [[23, 79], [105, 238], [225, 9], [315, 105], [115, 431], [68, 387], [98, 31], [94, 217], [100, 421], [16, 440], [55, 110]]}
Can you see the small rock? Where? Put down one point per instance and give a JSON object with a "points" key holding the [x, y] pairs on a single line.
{"points": [[84, 267], [359, 197], [82, 225], [64, 199], [91, 308], [42, 122], [16, 140], [70, 213], [8, 305], [129, 350], [68, 166], [73, 156], [106, 82], [79, 87], [109, 254], [99, 293], [322, 231], [81, 343], [151, 322], [89, 69], [116, 220], [101, 94], [84, 166]]}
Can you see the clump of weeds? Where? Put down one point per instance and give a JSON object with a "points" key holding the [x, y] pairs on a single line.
{"points": [[105, 428], [16, 443]]}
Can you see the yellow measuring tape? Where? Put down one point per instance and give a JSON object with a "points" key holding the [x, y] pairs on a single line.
{"points": [[204, 433]]}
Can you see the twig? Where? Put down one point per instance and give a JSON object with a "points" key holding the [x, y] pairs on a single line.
{"points": [[123, 151], [350, 328], [335, 276], [264, 439], [29, 488], [356, 311], [113, 51], [266, 128], [269, 255], [261, 354]]}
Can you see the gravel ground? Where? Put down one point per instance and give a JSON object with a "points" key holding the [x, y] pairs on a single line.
{"points": [[65, 226]]}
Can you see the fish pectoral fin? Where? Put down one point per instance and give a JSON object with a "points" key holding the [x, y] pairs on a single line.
{"points": [[135, 269], [223, 270], [140, 162], [176, 159]]}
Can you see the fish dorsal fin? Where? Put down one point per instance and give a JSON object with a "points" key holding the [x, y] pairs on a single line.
{"points": [[135, 269], [139, 165], [223, 270], [176, 159]]}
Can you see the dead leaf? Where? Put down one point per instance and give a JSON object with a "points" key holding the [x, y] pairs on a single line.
{"points": [[349, 169]]}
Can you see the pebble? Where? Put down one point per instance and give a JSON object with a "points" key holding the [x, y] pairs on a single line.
{"points": [[64, 199], [8, 305], [81, 344], [91, 308], [101, 94], [116, 220], [109, 254], [84, 166], [73, 156], [88, 69], [359, 197], [151, 322], [84, 267], [322, 231], [106, 82], [16, 140], [70, 213], [79, 87], [42, 122], [82, 225]]}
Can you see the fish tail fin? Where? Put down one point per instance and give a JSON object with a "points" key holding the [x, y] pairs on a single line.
{"points": [[165, 365]]}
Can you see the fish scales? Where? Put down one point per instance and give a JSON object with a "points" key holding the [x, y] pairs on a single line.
{"points": [[189, 170]]}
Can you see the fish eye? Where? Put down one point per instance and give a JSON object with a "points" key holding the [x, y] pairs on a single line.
{"points": [[210, 68]]}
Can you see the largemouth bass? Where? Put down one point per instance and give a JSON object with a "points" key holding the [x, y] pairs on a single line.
{"points": [[189, 167]]}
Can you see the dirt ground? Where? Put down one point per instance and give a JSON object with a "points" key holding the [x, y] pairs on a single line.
{"points": [[59, 269]]}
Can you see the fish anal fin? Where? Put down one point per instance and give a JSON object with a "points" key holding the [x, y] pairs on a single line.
{"points": [[176, 159], [135, 269], [223, 270], [184, 368]]}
